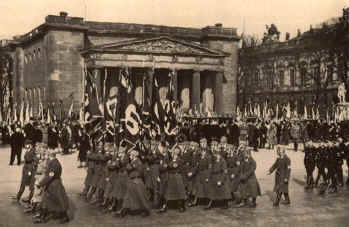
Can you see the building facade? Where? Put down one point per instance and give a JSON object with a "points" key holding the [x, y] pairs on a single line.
{"points": [[304, 71], [51, 61]]}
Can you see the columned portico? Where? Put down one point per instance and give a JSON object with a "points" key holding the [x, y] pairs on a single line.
{"points": [[196, 72]]}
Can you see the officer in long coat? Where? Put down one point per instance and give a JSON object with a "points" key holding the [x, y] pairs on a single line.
{"points": [[55, 199], [233, 164], [201, 172], [282, 166], [17, 144], [249, 185], [175, 190], [218, 181], [136, 195], [187, 167]]}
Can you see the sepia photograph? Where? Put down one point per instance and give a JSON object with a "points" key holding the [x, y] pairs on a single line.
{"points": [[174, 113]]}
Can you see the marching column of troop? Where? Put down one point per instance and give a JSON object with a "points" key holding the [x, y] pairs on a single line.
{"points": [[159, 176], [327, 156]]}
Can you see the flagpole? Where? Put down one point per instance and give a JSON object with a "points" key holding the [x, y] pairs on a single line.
{"points": [[116, 117], [103, 102], [83, 95]]}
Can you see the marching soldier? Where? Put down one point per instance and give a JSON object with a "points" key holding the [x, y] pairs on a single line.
{"points": [[309, 163], [55, 199], [234, 165], [175, 190], [201, 172], [282, 166], [120, 180], [17, 144], [219, 190], [249, 186], [136, 195], [28, 173]]}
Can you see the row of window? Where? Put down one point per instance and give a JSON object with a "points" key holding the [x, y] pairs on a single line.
{"points": [[32, 55], [306, 77]]}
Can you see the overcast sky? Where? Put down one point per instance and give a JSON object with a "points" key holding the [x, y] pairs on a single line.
{"points": [[20, 16]]}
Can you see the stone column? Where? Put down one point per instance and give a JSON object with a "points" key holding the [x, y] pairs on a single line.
{"points": [[138, 84], [207, 95], [218, 93], [163, 89], [184, 81], [98, 80], [149, 88], [195, 90]]}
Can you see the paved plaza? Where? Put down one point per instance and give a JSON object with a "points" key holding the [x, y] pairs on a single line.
{"points": [[307, 208]]}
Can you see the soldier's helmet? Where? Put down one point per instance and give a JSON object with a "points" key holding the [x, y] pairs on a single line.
{"points": [[203, 142], [224, 139]]}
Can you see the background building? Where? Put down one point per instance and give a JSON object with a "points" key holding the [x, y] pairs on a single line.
{"points": [[50, 62], [303, 71]]}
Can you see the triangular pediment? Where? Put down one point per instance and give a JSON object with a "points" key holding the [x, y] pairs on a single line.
{"points": [[160, 45]]}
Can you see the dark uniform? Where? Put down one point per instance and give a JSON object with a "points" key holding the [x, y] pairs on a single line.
{"points": [[136, 195], [28, 174], [282, 166], [55, 199], [249, 185], [17, 143], [309, 163], [83, 146]]}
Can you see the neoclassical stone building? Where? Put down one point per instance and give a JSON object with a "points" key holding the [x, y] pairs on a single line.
{"points": [[303, 71], [50, 62]]}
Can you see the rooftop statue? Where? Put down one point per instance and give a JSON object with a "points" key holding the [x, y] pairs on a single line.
{"points": [[341, 93], [272, 34]]}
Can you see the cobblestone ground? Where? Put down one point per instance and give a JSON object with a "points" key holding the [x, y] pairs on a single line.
{"points": [[307, 208]]}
